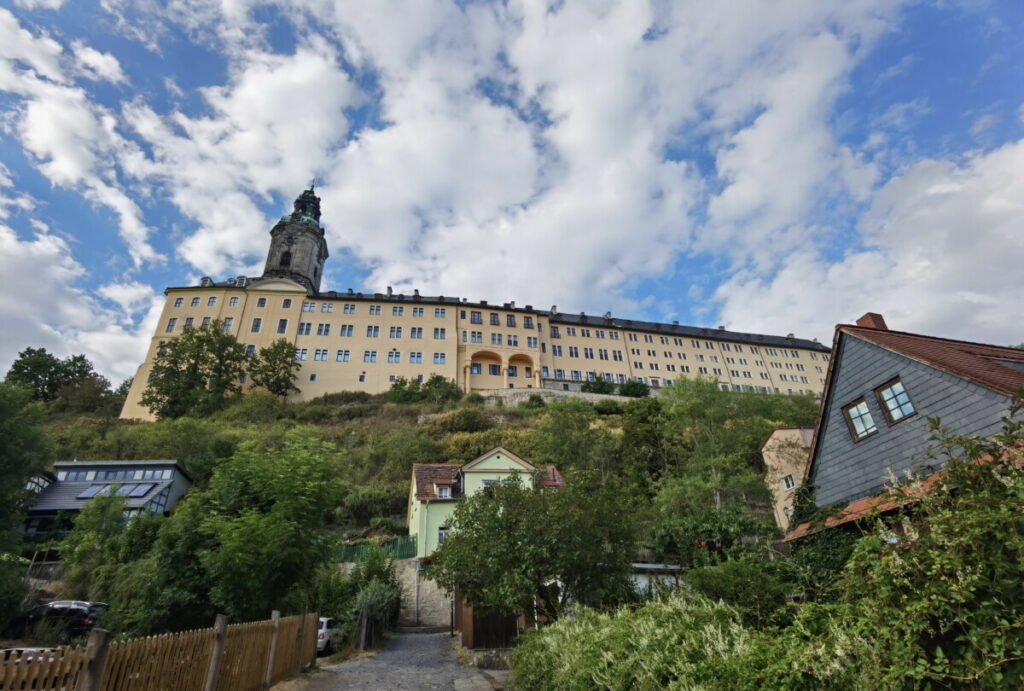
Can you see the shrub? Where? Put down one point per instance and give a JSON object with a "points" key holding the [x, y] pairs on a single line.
{"points": [[473, 399], [534, 402], [634, 389], [756, 589], [608, 406], [598, 385], [460, 420]]}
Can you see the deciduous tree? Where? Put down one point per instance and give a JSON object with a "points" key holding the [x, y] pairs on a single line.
{"points": [[275, 368]]}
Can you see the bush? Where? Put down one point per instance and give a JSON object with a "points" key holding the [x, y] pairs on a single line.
{"points": [[634, 389], [473, 399], [598, 385], [460, 420], [607, 406], [534, 402], [757, 589]]}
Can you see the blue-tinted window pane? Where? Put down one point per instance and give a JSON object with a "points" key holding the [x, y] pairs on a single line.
{"points": [[125, 490], [90, 491], [141, 490]]}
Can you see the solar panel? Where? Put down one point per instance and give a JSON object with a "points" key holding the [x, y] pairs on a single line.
{"points": [[141, 490], [90, 491], [124, 490]]}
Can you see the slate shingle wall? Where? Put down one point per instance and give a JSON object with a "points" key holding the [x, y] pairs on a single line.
{"points": [[846, 470]]}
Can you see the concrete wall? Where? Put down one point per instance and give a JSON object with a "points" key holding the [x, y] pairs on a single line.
{"points": [[846, 470], [511, 398]]}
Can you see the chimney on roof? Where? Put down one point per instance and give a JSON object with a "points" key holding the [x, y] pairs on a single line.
{"points": [[675, 322], [389, 291], [416, 292], [607, 315], [872, 320], [554, 309], [513, 303]]}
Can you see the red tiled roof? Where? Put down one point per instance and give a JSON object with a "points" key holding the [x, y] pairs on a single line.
{"points": [[975, 361], [887, 501], [429, 474], [549, 476]]}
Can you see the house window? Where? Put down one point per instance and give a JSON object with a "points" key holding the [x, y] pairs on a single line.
{"points": [[495, 319], [394, 357], [301, 353], [170, 324], [395, 332], [397, 311], [444, 492], [416, 358], [312, 376], [257, 322], [494, 370], [375, 309], [859, 419], [194, 303], [261, 302], [309, 307], [369, 356], [513, 371], [206, 322], [787, 482], [475, 368], [343, 356], [323, 329], [233, 302], [178, 302], [286, 303], [304, 328], [527, 322], [894, 401], [440, 358], [228, 323], [439, 334], [440, 312], [282, 326], [346, 330], [349, 308], [416, 332], [417, 311], [372, 331], [442, 535], [250, 351]]}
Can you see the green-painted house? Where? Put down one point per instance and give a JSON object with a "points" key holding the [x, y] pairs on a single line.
{"points": [[437, 487]]}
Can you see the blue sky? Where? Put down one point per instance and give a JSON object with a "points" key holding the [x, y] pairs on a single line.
{"points": [[773, 167]]}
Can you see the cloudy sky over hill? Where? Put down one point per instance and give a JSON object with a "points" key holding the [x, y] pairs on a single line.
{"points": [[771, 166]]}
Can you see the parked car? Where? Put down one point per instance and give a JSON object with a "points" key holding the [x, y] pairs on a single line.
{"points": [[68, 619], [326, 633]]}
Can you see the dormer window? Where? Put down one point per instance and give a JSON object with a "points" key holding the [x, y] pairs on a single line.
{"points": [[444, 492], [859, 420], [894, 401]]}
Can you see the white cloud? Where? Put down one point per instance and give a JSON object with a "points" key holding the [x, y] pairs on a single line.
{"points": [[73, 142], [93, 64], [270, 130], [40, 4], [942, 255], [983, 123], [44, 307]]}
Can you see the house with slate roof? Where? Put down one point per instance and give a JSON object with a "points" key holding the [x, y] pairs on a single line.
{"points": [[436, 489], [882, 387], [153, 486]]}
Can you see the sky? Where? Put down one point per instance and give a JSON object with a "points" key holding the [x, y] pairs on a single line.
{"points": [[770, 166]]}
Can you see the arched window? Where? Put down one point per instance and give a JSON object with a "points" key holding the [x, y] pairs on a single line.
{"points": [[286, 259]]}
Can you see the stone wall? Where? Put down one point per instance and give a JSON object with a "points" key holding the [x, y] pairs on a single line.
{"points": [[435, 608], [511, 398]]}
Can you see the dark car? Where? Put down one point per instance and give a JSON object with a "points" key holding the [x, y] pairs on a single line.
{"points": [[66, 619]]}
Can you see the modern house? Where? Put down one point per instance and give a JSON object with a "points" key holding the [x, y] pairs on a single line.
{"points": [[786, 452], [147, 486], [436, 488], [882, 388]]}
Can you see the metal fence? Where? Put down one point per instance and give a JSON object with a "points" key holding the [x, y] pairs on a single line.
{"points": [[403, 547]]}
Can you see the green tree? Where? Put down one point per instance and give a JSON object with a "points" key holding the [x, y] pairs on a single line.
{"points": [[514, 547], [45, 375], [597, 385], [24, 452], [195, 373], [634, 389], [90, 394], [275, 368]]}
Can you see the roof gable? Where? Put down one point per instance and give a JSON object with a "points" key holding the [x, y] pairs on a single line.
{"points": [[504, 458]]}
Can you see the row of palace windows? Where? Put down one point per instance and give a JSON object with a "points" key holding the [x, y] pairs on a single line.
{"points": [[893, 400], [498, 339], [393, 357], [326, 307], [476, 317], [495, 370]]}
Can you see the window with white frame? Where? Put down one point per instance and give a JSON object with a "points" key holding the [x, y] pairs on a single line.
{"points": [[859, 420]]}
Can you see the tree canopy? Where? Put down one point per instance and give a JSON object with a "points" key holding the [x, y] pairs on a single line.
{"points": [[275, 368], [45, 375], [514, 547], [195, 373]]}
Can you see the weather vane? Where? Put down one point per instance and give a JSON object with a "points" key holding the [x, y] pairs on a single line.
{"points": [[312, 183]]}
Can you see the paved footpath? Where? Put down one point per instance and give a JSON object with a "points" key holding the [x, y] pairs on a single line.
{"points": [[411, 661]]}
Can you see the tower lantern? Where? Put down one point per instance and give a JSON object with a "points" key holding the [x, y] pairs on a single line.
{"points": [[298, 247]]}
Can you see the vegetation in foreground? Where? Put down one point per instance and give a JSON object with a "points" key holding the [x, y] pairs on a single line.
{"points": [[928, 598]]}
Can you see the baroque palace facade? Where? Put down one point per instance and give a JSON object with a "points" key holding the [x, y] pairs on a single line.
{"points": [[351, 341]]}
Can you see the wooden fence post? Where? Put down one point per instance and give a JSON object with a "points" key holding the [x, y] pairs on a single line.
{"points": [[275, 617], [220, 628], [302, 642], [95, 660], [316, 618]]}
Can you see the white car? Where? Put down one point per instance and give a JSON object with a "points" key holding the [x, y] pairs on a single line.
{"points": [[325, 630]]}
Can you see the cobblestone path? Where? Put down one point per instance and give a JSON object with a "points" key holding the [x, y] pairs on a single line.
{"points": [[411, 661]]}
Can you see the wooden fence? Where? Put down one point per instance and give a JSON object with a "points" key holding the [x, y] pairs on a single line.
{"points": [[242, 657]]}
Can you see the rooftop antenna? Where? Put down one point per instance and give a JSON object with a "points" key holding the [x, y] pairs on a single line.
{"points": [[312, 184]]}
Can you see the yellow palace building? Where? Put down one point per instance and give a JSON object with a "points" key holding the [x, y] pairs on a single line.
{"points": [[352, 341]]}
